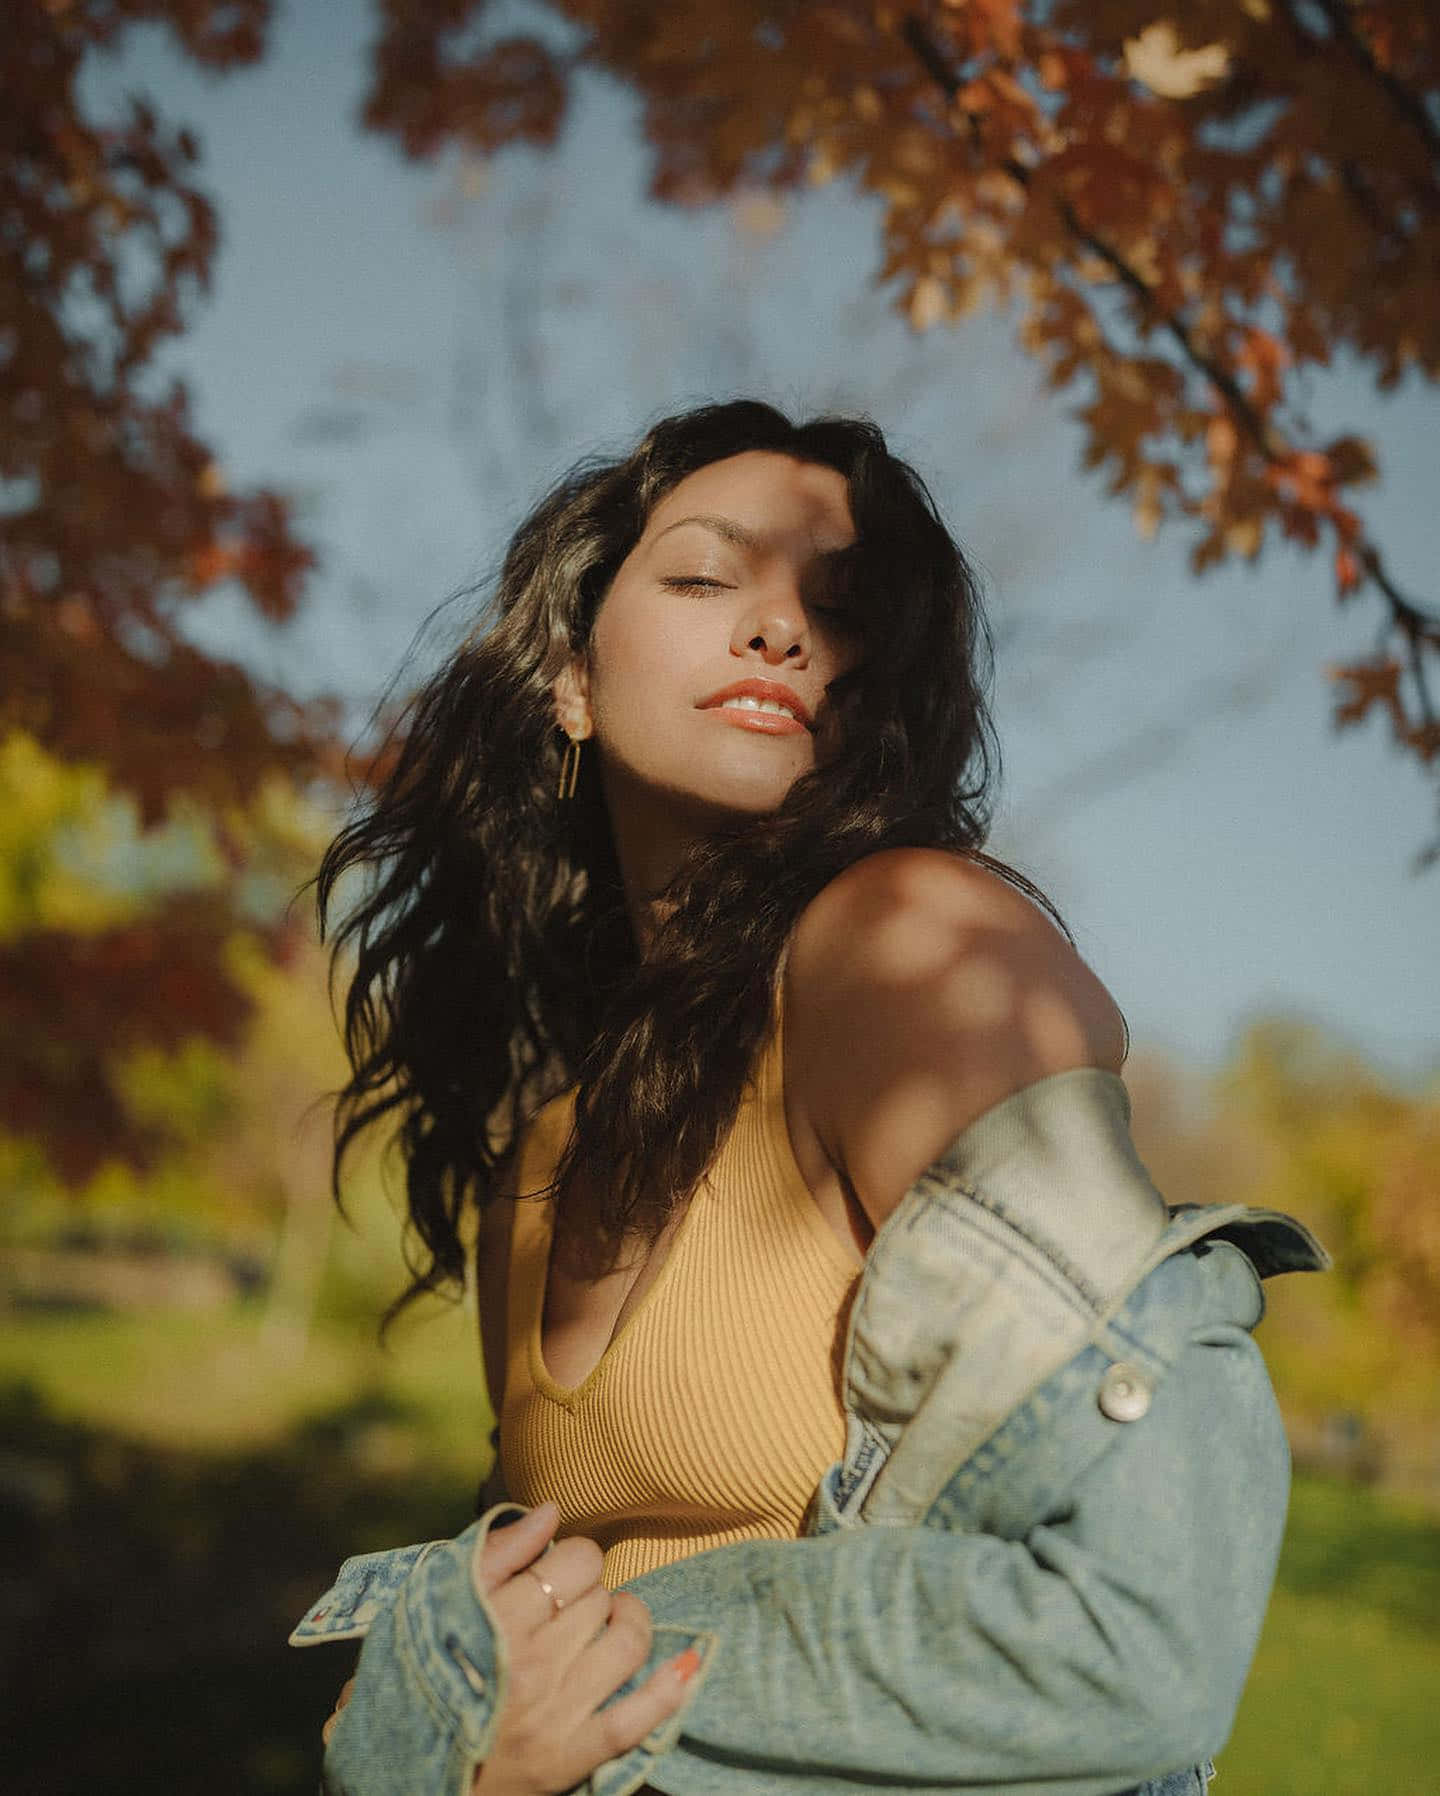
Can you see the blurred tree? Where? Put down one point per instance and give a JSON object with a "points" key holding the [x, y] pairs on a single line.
{"points": [[113, 516], [1193, 208], [126, 960], [1360, 1158], [1356, 1355], [1299, 1121], [89, 963], [230, 1109]]}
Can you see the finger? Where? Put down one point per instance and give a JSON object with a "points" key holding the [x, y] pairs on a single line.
{"points": [[572, 1630], [608, 1659], [522, 1608], [572, 1565], [549, 1584], [344, 1696], [625, 1723], [507, 1550]]}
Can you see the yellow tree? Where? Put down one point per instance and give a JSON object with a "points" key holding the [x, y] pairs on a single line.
{"points": [[1330, 1140], [83, 886]]}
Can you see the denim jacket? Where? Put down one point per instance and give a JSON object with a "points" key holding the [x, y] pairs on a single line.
{"points": [[1041, 1564]]}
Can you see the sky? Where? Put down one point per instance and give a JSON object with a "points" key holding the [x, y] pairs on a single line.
{"points": [[414, 352]]}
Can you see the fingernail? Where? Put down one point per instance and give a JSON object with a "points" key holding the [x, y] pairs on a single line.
{"points": [[547, 1512], [687, 1665]]}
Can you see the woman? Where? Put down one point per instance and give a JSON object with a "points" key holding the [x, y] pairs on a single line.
{"points": [[771, 642]]}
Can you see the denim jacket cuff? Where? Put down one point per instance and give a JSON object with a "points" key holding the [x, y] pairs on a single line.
{"points": [[432, 1672]]}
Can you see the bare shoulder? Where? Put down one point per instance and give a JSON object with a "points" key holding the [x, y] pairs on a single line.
{"points": [[901, 896], [892, 923], [922, 989]]}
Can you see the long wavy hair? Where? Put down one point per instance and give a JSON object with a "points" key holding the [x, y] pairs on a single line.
{"points": [[495, 963]]}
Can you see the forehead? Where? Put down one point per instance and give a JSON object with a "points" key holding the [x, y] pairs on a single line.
{"points": [[775, 495]]}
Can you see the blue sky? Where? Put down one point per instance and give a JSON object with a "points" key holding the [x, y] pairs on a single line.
{"points": [[415, 352]]}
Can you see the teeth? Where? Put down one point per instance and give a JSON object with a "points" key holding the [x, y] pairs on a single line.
{"points": [[758, 704]]}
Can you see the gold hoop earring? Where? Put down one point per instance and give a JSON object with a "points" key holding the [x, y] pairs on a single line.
{"points": [[569, 768]]}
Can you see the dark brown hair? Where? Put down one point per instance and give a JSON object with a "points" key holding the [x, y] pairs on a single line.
{"points": [[495, 963]]}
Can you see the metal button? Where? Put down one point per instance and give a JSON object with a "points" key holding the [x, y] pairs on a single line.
{"points": [[1124, 1392]]}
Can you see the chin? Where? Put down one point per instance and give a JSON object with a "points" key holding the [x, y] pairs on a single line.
{"points": [[735, 802], [757, 794]]}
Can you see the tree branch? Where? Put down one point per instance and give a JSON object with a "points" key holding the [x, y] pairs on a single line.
{"points": [[1416, 624], [1343, 32], [1270, 445], [1409, 105]]}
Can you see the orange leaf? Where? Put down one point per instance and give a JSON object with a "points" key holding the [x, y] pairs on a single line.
{"points": [[209, 564], [1347, 571]]}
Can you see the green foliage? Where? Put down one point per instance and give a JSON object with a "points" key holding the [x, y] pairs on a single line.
{"points": [[55, 829], [1351, 1547], [1343, 1684], [1354, 1157], [192, 1091]]}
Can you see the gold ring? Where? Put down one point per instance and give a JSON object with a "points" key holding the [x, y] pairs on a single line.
{"points": [[547, 1587]]}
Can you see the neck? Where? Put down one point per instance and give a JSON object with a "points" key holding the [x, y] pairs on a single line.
{"points": [[652, 836]]}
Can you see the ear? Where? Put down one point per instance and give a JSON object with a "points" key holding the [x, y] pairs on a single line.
{"points": [[571, 689]]}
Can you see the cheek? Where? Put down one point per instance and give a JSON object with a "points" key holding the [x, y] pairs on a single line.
{"points": [[644, 657]]}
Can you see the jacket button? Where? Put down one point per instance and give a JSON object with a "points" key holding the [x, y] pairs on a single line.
{"points": [[1124, 1392]]}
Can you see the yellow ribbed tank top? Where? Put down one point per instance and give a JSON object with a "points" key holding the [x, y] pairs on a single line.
{"points": [[712, 1414]]}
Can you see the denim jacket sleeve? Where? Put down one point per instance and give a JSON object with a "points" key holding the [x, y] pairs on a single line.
{"points": [[1104, 1644], [432, 1672]]}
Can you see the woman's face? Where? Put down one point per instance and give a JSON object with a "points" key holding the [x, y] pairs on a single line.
{"points": [[736, 578]]}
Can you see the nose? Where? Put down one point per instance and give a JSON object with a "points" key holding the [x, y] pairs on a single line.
{"points": [[774, 630]]}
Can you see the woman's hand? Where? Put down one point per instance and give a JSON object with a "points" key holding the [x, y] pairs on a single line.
{"points": [[565, 1663]]}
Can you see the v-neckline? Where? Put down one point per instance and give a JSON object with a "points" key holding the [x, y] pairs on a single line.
{"points": [[539, 1371], [569, 1395]]}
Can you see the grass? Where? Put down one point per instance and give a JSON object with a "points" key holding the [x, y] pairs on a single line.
{"points": [[1344, 1694], [221, 1383], [146, 1594], [1342, 1698]]}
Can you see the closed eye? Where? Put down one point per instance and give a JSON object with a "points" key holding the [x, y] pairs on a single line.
{"points": [[700, 583], [691, 583]]}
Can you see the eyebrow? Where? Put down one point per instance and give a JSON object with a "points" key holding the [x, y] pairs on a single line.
{"points": [[745, 538], [735, 533]]}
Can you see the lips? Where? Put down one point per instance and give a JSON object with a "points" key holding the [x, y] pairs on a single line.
{"points": [[763, 689]]}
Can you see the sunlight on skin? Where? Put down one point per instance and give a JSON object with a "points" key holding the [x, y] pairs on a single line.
{"points": [[671, 770], [951, 990]]}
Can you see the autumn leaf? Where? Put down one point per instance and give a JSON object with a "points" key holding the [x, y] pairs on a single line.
{"points": [[1156, 59]]}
